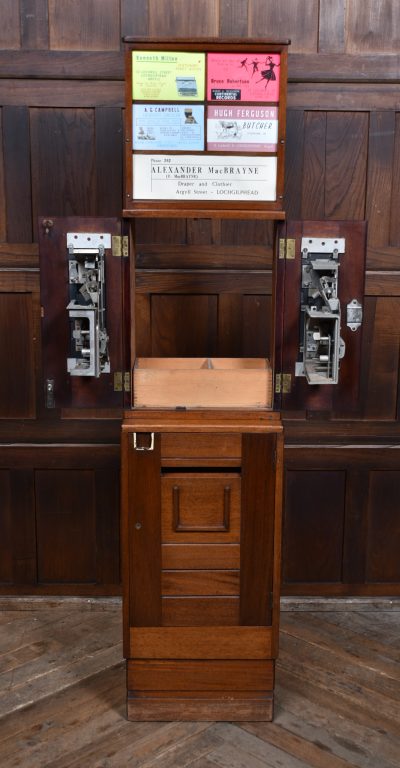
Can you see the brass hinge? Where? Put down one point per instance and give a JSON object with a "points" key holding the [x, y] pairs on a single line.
{"points": [[122, 379], [119, 246], [287, 248], [283, 383], [117, 381]]}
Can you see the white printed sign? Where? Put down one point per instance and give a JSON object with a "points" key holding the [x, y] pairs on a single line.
{"points": [[199, 177]]}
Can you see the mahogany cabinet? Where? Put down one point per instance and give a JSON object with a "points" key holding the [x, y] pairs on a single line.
{"points": [[201, 522]]}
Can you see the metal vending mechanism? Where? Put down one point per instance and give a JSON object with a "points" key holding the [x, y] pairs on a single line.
{"points": [[321, 346], [86, 308]]}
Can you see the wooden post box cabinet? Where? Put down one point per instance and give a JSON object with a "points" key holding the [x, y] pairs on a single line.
{"points": [[201, 443], [201, 524], [202, 447]]}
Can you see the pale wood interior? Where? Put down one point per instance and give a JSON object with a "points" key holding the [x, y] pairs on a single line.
{"points": [[199, 363], [202, 382]]}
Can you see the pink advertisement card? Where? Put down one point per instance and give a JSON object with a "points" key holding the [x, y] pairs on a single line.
{"points": [[243, 77]]}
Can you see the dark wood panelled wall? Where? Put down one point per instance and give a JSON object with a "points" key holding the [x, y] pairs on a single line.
{"points": [[61, 146]]}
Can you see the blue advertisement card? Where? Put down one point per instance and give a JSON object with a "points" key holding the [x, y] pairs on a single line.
{"points": [[168, 127]]}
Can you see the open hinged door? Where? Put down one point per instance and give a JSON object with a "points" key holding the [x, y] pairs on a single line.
{"points": [[83, 269], [319, 311]]}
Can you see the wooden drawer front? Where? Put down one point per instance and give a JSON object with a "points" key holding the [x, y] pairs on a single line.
{"points": [[193, 643], [196, 676], [217, 583], [200, 507], [200, 611], [200, 445], [200, 556]]}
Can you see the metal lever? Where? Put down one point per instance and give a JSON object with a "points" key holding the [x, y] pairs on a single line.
{"points": [[143, 447]]}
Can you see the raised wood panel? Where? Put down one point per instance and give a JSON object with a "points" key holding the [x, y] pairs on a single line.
{"points": [[3, 209], [346, 165], [134, 18], [183, 18], [367, 563], [381, 353], [313, 526], [65, 525], [331, 26], [10, 25], [256, 327], [294, 162], [233, 18], [294, 19], [78, 25], [161, 231], [339, 97], [183, 325], [16, 147], [109, 65], [70, 94], [17, 355], [108, 138], [248, 234], [383, 528], [380, 177], [395, 191], [324, 67], [63, 162], [314, 170], [62, 530], [24, 551], [107, 485], [6, 531], [373, 26], [34, 24]]}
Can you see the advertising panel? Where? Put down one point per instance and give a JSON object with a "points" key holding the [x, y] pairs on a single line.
{"points": [[204, 177], [242, 77], [168, 76], [168, 127], [242, 129]]}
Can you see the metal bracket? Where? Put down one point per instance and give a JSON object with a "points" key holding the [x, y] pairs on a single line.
{"points": [[77, 240], [323, 244], [143, 447], [354, 314]]}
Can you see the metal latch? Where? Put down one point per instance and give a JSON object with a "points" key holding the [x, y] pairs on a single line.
{"points": [[49, 389], [354, 314], [149, 447]]}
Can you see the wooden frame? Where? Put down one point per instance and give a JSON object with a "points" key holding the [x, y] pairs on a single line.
{"points": [[207, 208]]}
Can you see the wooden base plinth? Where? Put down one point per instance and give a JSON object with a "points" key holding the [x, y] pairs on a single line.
{"points": [[201, 689], [226, 709]]}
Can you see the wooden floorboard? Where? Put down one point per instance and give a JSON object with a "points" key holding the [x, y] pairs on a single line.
{"points": [[62, 695]]}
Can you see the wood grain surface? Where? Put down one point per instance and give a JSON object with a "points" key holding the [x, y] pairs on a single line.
{"points": [[62, 697], [61, 152]]}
